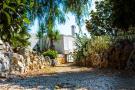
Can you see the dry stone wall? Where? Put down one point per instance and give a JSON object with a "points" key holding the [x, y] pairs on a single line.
{"points": [[21, 61]]}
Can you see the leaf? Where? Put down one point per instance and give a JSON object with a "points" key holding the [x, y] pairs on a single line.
{"points": [[6, 6], [1, 26], [18, 1], [26, 20], [7, 16], [31, 4]]}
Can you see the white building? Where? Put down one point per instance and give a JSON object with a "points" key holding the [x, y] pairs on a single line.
{"points": [[66, 44]]}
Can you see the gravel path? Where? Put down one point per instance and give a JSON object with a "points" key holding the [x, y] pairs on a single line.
{"points": [[73, 79]]}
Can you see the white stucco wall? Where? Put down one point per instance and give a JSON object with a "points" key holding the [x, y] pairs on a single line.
{"points": [[65, 44], [59, 46], [69, 43]]}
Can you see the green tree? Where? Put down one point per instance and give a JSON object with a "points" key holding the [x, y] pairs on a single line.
{"points": [[13, 22], [123, 13], [101, 19], [53, 11], [80, 43], [41, 34], [53, 35]]}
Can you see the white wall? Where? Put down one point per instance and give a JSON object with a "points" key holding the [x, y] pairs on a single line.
{"points": [[59, 46], [69, 43], [65, 44]]}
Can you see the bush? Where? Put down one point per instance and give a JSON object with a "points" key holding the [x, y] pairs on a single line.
{"points": [[90, 52], [98, 44], [80, 42], [51, 53]]}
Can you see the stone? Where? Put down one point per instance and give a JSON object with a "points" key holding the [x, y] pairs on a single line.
{"points": [[4, 65], [18, 62], [4, 59], [1, 46]]}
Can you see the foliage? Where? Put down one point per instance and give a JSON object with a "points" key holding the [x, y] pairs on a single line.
{"points": [[20, 39], [51, 12], [112, 29], [54, 10], [41, 35], [80, 42], [13, 22], [101, 19], [52, 35], [41, 31], [123, 13], [51, 53], [78, 7], [98, 44], [89, 51]]}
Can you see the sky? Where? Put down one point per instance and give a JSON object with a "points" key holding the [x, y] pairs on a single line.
{"points": [[65, 28]]}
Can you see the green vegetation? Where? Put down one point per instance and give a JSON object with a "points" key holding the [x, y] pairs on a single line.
{"points": [[98, 44], [111, 26], [51, 53], [51, 12], [52, 35], [16, 15], [80, 42], [112, 35], [101, 19], [123, 14], [13, 22]]}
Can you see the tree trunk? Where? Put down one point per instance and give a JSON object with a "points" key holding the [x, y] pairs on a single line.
{"points": [[51, 44]]}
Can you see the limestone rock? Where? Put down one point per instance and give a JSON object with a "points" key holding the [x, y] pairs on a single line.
{"points": [[4, 65], [18, 63]]}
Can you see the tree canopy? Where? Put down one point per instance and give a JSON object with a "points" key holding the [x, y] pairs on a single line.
{"points": [[100, 22], [123, 13], [53, 11], [111, 16], [15, 15], [13, 22]]}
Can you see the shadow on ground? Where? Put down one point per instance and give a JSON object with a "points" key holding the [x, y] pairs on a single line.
{"points": [[95, 80]]}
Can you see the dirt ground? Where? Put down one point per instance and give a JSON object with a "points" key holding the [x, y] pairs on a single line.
{"points": [[69, 77]]}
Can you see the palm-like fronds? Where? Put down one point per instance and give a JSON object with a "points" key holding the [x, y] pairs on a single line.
{"points": [[51, 11]]}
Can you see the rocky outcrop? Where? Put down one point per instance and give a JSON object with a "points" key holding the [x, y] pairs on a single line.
{"points": [[4, 61]]}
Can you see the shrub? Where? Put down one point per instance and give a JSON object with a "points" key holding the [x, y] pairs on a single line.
{"points": [[98, 44], [90, 50], [80, 42], [51, 53]]}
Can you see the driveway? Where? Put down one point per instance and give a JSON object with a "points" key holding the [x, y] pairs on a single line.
{"points": [[68, 77]]}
